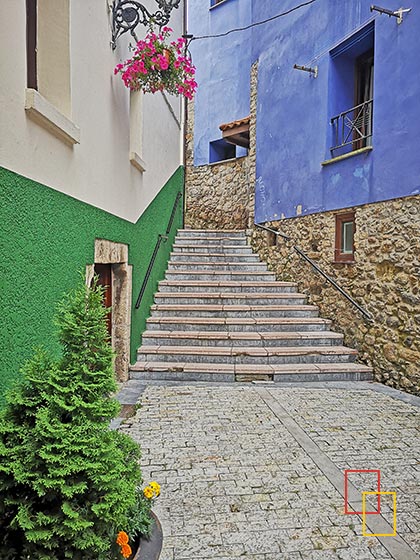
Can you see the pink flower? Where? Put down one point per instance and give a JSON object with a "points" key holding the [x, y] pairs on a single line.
{"points": [[118, 68], [164, 65]]}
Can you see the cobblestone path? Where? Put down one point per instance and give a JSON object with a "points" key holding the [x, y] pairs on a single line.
{"points": [[257, 471]]}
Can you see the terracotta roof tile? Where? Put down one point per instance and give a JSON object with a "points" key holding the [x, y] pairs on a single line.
{"points": [[234, 124]]}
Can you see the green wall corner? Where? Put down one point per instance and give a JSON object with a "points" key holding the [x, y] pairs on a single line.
{"points": [[47, 239]]}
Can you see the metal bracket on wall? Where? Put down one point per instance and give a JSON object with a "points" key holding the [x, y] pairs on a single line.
{"points": [[128, 14], [312, 71], [394, 13]]}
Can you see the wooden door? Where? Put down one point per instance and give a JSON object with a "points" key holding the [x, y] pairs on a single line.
{"points": [[104, 272]]}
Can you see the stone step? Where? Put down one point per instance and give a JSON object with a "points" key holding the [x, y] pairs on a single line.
{"points": [[215, 241], [210, 233], [247, 355], [232, 325], [213, 257], [226, 298], [234, 310], [226, 338], [215, 249], [231, 286], [288, 373], [217, 266], [219, 275]]}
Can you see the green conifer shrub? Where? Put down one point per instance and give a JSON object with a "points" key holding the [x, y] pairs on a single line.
{"points": [[69, 484]]}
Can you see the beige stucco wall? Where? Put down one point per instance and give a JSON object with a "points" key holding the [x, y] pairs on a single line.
{"points": [[98, 169]]}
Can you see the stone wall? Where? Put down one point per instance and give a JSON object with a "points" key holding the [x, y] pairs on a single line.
{"points": [[385, 280], [217, 195]]}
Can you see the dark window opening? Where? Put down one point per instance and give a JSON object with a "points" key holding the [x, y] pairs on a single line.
{"points": [[31, 44], [345, 226], [363, 95], [221, 150]]}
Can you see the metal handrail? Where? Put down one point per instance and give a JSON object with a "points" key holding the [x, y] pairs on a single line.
{"points": [[160, 238], [354, 129], [304, 256]]}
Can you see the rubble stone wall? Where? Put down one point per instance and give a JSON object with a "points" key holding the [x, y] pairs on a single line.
{"points": [[385, 280], [217, 195]]}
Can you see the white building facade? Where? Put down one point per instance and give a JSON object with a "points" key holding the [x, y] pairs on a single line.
{"points": [[89, 172]]}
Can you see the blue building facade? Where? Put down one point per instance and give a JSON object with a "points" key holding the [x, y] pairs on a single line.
{"points": [[362, 59], [331, 92]]}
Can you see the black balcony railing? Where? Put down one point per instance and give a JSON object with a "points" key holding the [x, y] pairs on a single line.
{"points": [[353, 128]]}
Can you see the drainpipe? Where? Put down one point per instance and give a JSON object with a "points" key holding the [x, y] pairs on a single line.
{"points": [[184, 117]]}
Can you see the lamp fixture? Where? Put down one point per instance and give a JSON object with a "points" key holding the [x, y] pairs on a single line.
{"points": [[394, 13], [313, 71], [128, 14]]}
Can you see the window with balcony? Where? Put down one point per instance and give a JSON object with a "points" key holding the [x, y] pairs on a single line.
{"points": [[351, 93]]}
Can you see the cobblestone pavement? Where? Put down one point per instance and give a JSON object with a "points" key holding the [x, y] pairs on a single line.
{"points": [[257, 471]]}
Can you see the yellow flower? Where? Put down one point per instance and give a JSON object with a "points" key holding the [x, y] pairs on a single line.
{"points": [[122, 538], [155, 487], [148, 492]]}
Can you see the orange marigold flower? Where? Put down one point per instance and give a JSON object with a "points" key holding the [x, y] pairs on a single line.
{"points": [[148, 492], [122, 538], [126, 550]]}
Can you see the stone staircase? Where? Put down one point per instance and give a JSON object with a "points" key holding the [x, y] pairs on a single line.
{"points": [[220, 315]]}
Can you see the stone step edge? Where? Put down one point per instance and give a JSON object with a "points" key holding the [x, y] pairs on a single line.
{"points": [[209, 237], [241, 320], [210, 246], [192, 230], [221, 272], [230, 295], [208, 254], [262, 351], [227, 283], [230, 307], [254, 335], [272, 369], [216, 264]]}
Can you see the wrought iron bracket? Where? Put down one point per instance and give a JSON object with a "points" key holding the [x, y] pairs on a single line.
{"points": [[128, 14], [395, 13]]}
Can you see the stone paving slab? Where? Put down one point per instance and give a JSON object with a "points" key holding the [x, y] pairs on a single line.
{"points": [[247, 471]]}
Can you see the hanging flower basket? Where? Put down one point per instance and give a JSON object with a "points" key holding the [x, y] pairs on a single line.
{"points": [[159, 65]]}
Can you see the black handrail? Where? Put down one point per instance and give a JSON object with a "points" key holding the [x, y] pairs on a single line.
{"points": [[363, 311], [156, 250]]}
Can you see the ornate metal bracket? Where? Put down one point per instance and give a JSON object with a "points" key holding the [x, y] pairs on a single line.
{"points": [[128, 14]]}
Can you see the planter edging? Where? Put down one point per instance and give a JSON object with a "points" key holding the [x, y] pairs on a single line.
{"points": [[150, 549]]}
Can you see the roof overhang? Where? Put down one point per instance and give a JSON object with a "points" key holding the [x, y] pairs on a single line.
{"points": [[237, 132]]}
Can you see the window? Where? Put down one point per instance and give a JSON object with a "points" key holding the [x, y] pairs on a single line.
{"points": [[221, 150], [136, 130], [31, 45], [48, 51], [351, 92], [345, 227], [48, 99]]}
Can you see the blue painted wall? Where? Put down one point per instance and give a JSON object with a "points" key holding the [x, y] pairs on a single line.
{"points": [[294, 109], [222, 69]]}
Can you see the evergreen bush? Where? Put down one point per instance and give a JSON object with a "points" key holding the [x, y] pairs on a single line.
{"points": [[69, 484]]}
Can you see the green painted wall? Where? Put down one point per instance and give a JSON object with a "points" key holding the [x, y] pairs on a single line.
{"points": [[46, 240]]}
